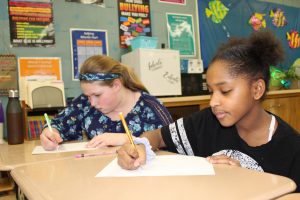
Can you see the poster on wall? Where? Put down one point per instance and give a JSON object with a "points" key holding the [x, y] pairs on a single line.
{"points": [[96, 2], [84, 44], [179, 2], [44, 68], [181, 34], [31, 23], [134, 20], [8, 74]]}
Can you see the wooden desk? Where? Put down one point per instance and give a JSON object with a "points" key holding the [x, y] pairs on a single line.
{"points": [[12, 156], [72, 178], [293, 196]]}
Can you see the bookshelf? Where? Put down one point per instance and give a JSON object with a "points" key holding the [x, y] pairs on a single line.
{"points": [[33, 120]]}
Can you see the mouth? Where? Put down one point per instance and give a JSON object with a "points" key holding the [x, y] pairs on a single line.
{"points": [[220, 115]]}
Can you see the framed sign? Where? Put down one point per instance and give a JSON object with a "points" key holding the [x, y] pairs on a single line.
{"points": [[179, 2], [181, 33], [84, 44]]}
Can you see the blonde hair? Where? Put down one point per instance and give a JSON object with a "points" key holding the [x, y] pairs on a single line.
{"points": [[106, 64]]}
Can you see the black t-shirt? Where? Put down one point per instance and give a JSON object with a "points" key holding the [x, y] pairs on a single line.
{"points": [[201, 134]]}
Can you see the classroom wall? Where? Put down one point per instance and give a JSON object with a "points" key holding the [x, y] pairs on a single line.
{"points": [[75, 15]]}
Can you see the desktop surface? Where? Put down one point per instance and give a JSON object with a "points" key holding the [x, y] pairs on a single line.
{"points": [[74, 178], [12, 156]]}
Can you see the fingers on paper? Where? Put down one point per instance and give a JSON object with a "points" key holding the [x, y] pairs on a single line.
{"points": [[95, 142], [223, 159]]}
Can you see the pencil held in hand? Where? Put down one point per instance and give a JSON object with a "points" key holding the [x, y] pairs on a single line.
{"points": [[48, 122], [126, 129], [52, 137]]}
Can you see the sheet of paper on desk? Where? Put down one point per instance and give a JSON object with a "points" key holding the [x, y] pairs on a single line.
{"points": [[78, 146], [165, 165]]}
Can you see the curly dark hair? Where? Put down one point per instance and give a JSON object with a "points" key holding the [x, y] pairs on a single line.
{"points": [[252, 57]]}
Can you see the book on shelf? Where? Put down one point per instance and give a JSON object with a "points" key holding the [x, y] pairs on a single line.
{"points": [[35, 126]]}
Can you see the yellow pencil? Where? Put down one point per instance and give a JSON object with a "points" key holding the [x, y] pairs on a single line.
{"points": [[126, 129]]}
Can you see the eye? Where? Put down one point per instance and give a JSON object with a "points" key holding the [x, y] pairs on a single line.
{"points": [[225, 92]]}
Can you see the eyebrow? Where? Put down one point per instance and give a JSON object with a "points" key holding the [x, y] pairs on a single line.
{"points": [[91, 94], [220, 83]]}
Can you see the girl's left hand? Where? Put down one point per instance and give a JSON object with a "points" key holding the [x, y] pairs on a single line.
{"points": [[107, 139], [222, 159]]}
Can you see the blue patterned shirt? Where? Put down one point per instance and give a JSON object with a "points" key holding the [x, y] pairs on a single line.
{"points": [[79, 117]]}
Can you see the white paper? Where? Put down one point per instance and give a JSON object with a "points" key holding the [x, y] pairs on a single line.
{"points": [[166, 165], [79, 146]]}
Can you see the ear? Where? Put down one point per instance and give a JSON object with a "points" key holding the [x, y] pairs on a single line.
{"points": [[258, 88], [117, 84]]}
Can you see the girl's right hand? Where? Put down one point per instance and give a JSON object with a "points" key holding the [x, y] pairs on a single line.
{"points": [[131, 158], [50, 140]]}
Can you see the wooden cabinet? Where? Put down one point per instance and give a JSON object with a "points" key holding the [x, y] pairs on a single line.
{"points": [[286, 106], [283, 103]]}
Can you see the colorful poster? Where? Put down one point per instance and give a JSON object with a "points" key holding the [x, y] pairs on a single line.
{"points": [[179, 2], [134, 20], [86, 43], [181, 34], [31, 23], [43, 68], [8, 74], [40, 66]]}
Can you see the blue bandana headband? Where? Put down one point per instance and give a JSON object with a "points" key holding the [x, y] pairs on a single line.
{"points": [[98, 76]]}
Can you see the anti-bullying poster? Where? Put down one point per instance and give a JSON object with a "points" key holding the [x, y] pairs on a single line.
{"points": [[134, 20], [31, 23]]}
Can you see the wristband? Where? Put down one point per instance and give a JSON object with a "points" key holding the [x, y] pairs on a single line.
{"points": [[149, 153]]}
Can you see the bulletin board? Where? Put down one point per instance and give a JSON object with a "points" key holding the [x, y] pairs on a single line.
{"points": [[236, 24]]}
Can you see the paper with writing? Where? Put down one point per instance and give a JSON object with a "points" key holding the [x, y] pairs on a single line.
{"points": [[165, 165], [78, 146]]}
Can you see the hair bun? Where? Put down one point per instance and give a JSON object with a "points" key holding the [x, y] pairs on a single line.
{"points": [[266, 47]]}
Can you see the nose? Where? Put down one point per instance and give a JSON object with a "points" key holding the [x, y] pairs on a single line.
{"points": [[92, 101], [214, 100]]}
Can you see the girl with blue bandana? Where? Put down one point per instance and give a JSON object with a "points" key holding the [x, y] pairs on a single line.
{"points": [[108, 88]]}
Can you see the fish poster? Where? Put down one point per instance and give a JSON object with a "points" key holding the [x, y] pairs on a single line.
{"points": [[216, 10], [31, 23], [278, 17], [134, 20], [293, 39], [257, 21], [181, 34]]}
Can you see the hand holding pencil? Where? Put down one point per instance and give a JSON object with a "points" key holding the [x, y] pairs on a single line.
{"points": [[50, 137], [130, 156]]}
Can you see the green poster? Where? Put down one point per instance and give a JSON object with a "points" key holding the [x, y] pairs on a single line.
{"points": [[181, 34]]}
